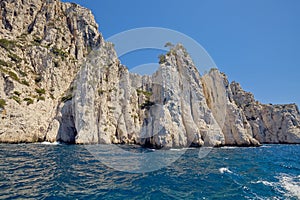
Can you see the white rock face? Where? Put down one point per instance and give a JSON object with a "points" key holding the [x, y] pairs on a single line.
{"points": [[167, 109], [269, 123], [53, 87], [42, 45], [236, 129], [186, 119]]}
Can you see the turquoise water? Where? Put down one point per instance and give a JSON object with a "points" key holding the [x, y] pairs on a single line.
{"points": [[39, 171]]}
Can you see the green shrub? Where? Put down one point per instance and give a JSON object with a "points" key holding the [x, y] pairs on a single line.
{"points": [[171, 52], [7, 44], [52, 96], [162, 59], [37, 41], [40, 91], [169, 44], [3, 70], [22, 37], [13, 76], [3, 63], [139, 92], [135, 116], [101, 92], [112, 108], [29, 101], [67, 98], [2, 103], [51, 24], [24, 82], [58, 52], [17, 93], [89, 49], [38, 78], [146, 93], [14, 57], [22, 73], [40, 98], [17, 99]]}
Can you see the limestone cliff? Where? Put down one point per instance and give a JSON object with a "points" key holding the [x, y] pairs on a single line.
{"points": [[247, 121], [236, 128], [269, 123], [42, 45], [60, 81]]}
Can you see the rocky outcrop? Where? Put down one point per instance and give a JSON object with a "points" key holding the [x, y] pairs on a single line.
{"points": [[269, 123], [42, 45], [236, 128], [174, 107], [62, 82], [167, 109], [248, 122]]}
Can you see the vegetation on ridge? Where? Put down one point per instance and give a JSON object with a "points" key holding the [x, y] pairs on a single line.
{"points": [[2, 103], [7, 44]]}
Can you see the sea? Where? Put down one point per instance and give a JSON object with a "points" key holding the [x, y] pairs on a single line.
{"points": [[59, 171]]}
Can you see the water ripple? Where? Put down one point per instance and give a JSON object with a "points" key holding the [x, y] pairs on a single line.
{"points": [[40, 171]]}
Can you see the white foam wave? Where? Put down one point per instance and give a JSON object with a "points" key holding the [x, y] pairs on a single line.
{"points": [[290, 184], [49, 143], [228, 147], [224, 170], [151, 149], [182, 149], [287, 185], [176, 149], [265, 146], [267, 183]]}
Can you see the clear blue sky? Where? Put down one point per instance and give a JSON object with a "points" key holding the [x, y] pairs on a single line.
{"points": [[255, 42]]}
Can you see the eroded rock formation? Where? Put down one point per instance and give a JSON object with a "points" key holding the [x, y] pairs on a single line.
{"points": [[60, 81], [42, 45]]}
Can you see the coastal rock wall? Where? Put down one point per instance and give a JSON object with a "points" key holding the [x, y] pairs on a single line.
{"points": [[247, 121], [60, 81], [167, 109], [231, 118], [42, 46], [269, 123]]}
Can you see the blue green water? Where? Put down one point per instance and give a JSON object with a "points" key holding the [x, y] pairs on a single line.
{"points": [[39, 171]]}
